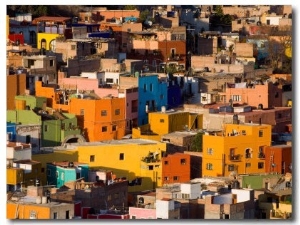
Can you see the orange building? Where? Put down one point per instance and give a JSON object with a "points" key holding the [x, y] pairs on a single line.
{"points": [[176, 168], [278, 159], [99, 118], [16, 85]]}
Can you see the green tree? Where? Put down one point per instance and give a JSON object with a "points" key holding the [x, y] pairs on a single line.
{"points": [[219, 11], [144, 15], [197, 142]]}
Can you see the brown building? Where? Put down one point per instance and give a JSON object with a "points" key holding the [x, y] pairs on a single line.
{"points": [[16, 85]]}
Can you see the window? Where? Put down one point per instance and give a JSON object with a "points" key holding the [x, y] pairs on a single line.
{"points": [[231, 167], [114, 127], [46, 128], [103, 113], [260, 165], [9, 136], [243, 132], [51, 62], [166, 178], [150, 167], [82, 112], [260, 133], [247, 153], [145, 87], [28, 139], [161, 96], [236, 98], [32, 214], [209, 166], [92, 158], [210, 151], [166, 162], [57, 174], [121, 157], [62, 177], [182, 161], [104, 129], [109, 80], [133, 217], [185, 196], [248, 165], [117, 112], [42, 170], [175, 178], [162, 120], [73, 47], [261, 152], [151, 87], [48, 172]]}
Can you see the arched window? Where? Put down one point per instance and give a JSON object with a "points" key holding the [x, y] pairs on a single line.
{"points": [[248, 153], [43, 44]]}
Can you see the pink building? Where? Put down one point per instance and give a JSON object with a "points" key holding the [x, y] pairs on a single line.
{"points": [[263, 95]]}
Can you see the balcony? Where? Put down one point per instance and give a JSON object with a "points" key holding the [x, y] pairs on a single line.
{"points": [[175, 58], [235, 158]]}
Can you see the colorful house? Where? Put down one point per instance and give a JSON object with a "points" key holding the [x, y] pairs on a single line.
{"points": [[16, 85], [176, 168], [167, 121], [279, 159], [58, 173], [127, 158], [153, 94], [261, 95], [49, 28], [33, 204], [57, 127], [10, 131], [238, 149], [99, 118]]}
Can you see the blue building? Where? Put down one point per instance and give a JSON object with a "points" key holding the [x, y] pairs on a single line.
{"points": [[58, 173], [174, 95], [153, 94], [11, 131]]}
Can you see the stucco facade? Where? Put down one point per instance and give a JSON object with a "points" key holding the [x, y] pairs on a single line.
{"points": [[239, 149]]}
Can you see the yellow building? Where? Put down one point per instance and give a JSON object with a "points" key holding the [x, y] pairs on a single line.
{"points": [[238, 149], [48, 155], [132, 158], [14, 176], [127, 158], [165, 122], [46, 40]]}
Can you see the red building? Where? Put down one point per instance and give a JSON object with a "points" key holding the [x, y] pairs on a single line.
{"points": [[278, 159], [176, 168]]}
